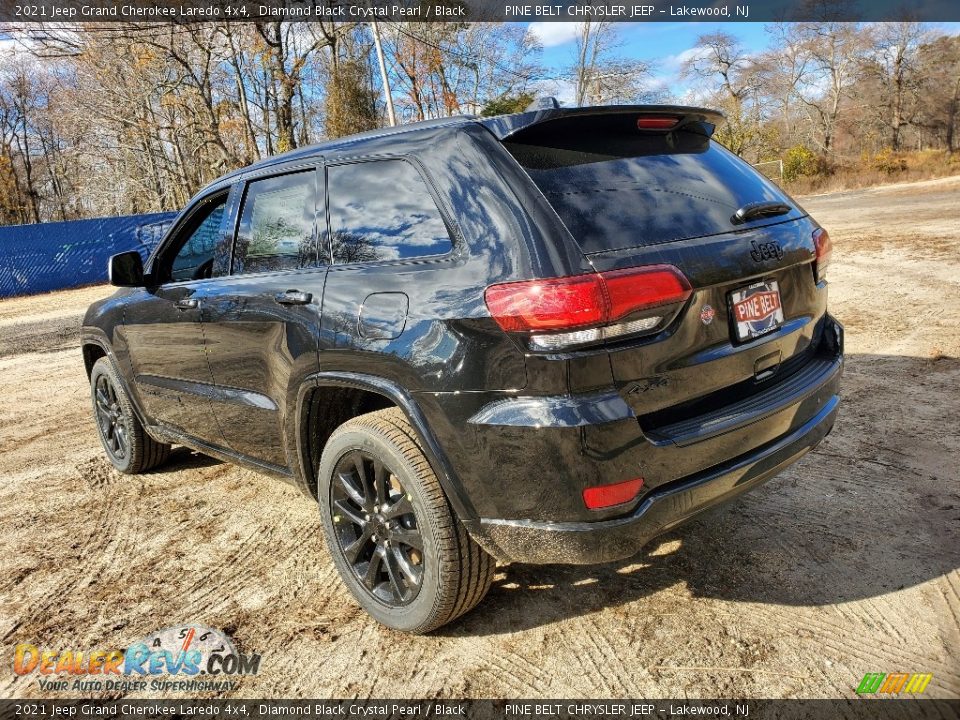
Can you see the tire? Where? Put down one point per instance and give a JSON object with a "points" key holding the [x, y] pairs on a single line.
{"points": [[127, 445], [403, 491]]}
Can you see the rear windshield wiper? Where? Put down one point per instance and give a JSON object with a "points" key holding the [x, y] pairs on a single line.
{"points": [[754, 210]]}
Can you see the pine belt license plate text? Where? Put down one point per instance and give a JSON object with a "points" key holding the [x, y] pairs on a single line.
{"points": [[756, 309]]}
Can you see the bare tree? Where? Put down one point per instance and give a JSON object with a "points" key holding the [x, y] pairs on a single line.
{"points": [[600, 75], [442, 69], [835, 51], [720, 56], [19, 108], [290, 47], [939, 99], [893, 63], [782, 69], [351, 101], [723, 65]]}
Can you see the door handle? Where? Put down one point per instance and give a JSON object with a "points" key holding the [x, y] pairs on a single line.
{"points": [[187, 304], [294, 297]]}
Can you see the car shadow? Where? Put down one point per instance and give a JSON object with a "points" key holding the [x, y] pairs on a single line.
{"points": [[875, 508], [184, 458]]}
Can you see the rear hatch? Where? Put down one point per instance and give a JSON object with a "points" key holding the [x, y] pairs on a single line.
{"points": [[646, 186]]}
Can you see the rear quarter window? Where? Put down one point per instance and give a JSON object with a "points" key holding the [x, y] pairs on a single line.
{"points": [[616, 187], [382, 210]]}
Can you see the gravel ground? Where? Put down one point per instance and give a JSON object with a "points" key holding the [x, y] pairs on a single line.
{"points": [[846, 563]]}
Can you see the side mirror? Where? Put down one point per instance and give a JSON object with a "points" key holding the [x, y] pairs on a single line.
{"points": [[125, 269]]}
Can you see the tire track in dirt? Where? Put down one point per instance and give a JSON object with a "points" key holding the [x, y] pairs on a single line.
{"points": [[881, 620], [43, 619], [837, 636], [893, 646], [822, 635], [586, 652], [514, 681], [219, 583], [501, 658], [95, 538], [606, 657], [950, 592], [241, 572], [41, 337]]}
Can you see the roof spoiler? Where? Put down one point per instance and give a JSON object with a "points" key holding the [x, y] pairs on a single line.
{"points": [[505, 126]]}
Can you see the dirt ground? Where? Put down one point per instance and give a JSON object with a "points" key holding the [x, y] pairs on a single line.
{"points": [[847, 563]]}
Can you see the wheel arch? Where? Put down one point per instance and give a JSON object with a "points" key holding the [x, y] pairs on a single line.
{"points": [[92, 351], [94, 346], [328, 399]]}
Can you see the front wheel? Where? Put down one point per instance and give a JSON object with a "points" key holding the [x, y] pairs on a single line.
{"points": [[393, 536], [127, 444]]}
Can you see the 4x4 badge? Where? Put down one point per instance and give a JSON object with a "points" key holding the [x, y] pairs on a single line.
{"points": [[765, 251]]}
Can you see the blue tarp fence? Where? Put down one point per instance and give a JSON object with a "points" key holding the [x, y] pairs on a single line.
{"points": [[57, 255]]}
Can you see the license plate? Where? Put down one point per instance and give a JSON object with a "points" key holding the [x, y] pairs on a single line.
{"points": [[756, 309]]}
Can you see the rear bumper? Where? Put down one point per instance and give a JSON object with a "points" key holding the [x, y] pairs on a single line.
{"points": [[542, 542]]}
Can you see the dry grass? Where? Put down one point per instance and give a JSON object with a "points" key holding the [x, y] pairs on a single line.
{"points": [[880, 169]]}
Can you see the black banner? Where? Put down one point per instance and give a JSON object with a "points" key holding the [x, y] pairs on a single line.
{"points": [[481, 709], [183, 11]]}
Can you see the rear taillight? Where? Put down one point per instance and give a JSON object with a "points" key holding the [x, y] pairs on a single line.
{"points": [[604, 496], [824, 247], [564, 312]]}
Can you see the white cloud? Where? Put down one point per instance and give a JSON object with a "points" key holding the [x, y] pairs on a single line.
{"points": [[673, 63], [10, 47], [551, 34], [14, 51], [563, 90]]}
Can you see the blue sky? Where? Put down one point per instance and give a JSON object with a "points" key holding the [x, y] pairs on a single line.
{"points": [[662, 44]]}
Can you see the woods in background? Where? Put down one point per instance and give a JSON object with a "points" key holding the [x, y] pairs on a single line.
{"points": [[113, 119]]}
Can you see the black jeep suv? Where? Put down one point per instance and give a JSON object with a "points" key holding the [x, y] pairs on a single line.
{"points": [[544, 338]]}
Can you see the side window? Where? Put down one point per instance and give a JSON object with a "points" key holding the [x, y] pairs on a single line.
{"points": [[382, 210], [195, 247], [276, 224]]}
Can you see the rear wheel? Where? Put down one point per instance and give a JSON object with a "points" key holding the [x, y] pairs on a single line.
{"points": [[127, 444], [395, 539]]}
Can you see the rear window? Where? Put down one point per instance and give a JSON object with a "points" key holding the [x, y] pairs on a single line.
{"points": [[617, 187]]}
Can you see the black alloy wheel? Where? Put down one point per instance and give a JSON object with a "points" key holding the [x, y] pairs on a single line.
{"points": [[111, 420], [127, 444], [376, 527], [397, 543]]}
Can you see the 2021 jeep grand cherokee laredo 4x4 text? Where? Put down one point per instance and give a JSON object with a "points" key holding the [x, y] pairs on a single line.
{"points": [[544, 337]]}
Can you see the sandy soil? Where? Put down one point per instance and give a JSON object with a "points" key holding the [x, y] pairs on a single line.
{"points": [[847, 563]]}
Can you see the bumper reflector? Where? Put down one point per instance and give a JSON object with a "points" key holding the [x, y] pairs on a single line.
{"points": [[604, 496], [563, 341]]}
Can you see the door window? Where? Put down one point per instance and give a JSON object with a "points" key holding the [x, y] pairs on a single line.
{"points": [[191, 253], [277, 225], [382, 210]]}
